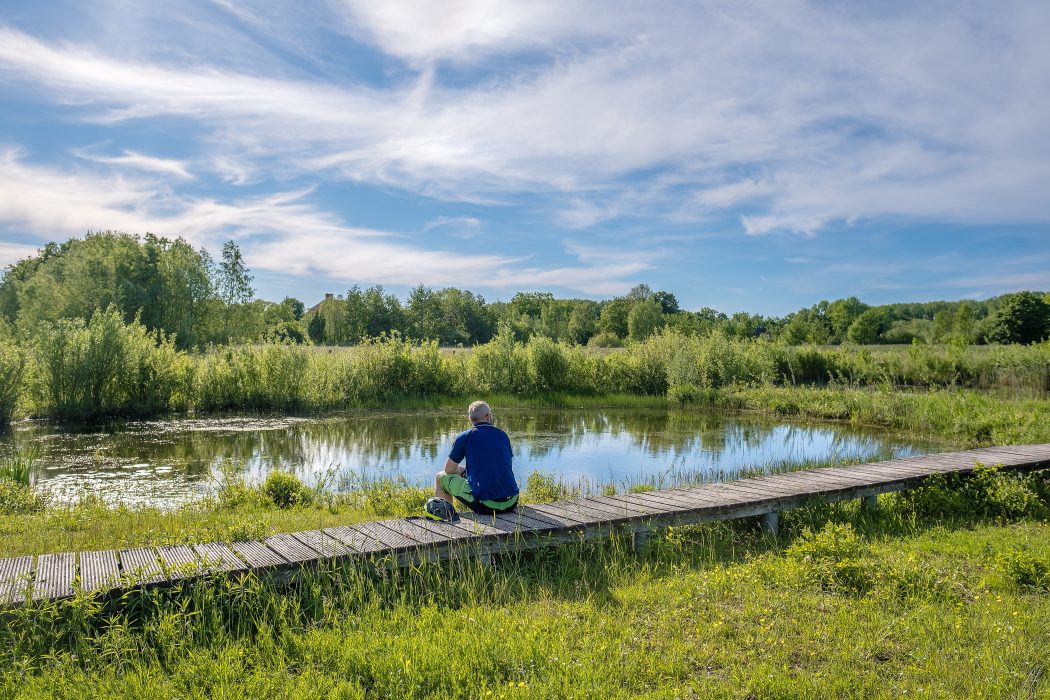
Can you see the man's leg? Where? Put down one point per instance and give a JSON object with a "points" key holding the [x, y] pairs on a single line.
{"points": [[439, 491]]}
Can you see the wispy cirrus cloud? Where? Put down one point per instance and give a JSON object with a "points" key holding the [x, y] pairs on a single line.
{"points": [[44, 200], [843, 116]]}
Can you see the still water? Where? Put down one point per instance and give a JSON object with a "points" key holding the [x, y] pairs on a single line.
{"points": [[168, 462]]}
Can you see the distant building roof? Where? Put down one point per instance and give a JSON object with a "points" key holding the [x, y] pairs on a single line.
{"points": [[315, 307]]}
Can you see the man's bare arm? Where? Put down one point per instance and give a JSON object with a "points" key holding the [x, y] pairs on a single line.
{"points": [[453, 468]]}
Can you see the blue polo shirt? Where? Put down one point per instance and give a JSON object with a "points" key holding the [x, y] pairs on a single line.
{"points": [[488, 453]]}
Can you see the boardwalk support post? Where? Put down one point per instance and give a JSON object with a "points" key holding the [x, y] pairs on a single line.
{"points": [[770, 522], [640, 538], [869, 503]]}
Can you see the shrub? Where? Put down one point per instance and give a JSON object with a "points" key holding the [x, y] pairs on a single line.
{"points": [[16, 498], [285, 490], [831, 558], [1025, 569], [104, 367], [548, 364], [605, 339], [988, 493]]}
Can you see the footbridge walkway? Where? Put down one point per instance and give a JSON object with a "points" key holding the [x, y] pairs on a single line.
{"points": [[407, 540]]}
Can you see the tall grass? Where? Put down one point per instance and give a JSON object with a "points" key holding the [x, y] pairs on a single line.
{"points": [[104, 367], [846, 602]]}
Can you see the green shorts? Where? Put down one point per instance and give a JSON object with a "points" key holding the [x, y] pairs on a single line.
{"points": [[458, 487]]}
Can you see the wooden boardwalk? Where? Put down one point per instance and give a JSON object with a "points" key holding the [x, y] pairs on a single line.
{"points": [[405, 540]]}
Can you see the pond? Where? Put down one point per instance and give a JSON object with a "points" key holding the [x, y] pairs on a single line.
{"points": [[168, 462]]}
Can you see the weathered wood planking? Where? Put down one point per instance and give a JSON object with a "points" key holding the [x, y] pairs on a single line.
{"points": [[413, 539]]}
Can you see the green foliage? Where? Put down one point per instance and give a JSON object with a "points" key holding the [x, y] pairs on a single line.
{"points": [[12, 374], [18, 467], [987, 493], [105, 367], [605, 340], [644, 319], [831, 558], [548, 364], [543, 488], [867, 327], [285, 490], [316, 328], [17, 498], [1022, 318], [165, 284], [1024, 568]]}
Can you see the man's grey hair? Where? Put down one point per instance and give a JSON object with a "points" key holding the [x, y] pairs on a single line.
{"points": [[478, 410]]}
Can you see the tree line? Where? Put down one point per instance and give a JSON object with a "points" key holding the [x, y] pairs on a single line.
{"points": [[182, 294]]}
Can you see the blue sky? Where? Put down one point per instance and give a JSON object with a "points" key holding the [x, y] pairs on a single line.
{"points": [[744, 155]]}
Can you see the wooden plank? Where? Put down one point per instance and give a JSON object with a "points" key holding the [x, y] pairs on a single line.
{"points": [[572, 511], [257, 555], [388, 539], [291, 549], [216, 556], [16, 579], [625, 505], [679, 501], [141, 565], [180, 561], [324, 543], [524, 519], [356, 540], [652, 506], [612, 512], [451, 531], [54, 576], [410, 530], [99, 571]]}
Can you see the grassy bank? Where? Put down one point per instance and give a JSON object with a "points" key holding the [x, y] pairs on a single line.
{"points": [[927, 597], [76, 371]]}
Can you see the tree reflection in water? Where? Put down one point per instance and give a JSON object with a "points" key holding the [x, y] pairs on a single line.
{"points": [[168, 462]]}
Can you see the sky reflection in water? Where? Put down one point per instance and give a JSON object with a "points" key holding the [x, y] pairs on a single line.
{"points": [[169, 462]]}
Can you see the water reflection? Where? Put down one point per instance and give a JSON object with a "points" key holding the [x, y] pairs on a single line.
{"points": [[168, 462]]}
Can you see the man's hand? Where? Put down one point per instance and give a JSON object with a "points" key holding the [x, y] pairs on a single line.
{"points": [[453, 468]]}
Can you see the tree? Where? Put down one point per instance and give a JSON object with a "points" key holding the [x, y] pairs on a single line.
{"points": [[866, 328], [644, 319], [233, 283], [841, 313], [640, 292], [295, 306], [315, 329], [613, 318], [668, 302], [583, 321], [1022, 318]]}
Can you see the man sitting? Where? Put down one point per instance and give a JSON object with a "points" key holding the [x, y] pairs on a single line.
{"points": [[486, 484]]}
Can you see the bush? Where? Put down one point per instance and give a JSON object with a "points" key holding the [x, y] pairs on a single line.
{"points": [[16, 498], [104, 367], [605, 339], [548, 364], [986, 493], [285, 490], [1025, 569], [831, 558]]}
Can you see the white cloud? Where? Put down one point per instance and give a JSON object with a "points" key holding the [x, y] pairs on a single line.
{"points": [[803, 113], [138, 161], [281, 232], [13, 252]]}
